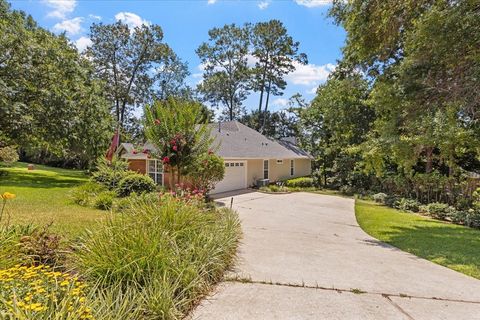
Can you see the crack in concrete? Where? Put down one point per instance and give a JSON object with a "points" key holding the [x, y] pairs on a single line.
{"points": [[340, 290]]}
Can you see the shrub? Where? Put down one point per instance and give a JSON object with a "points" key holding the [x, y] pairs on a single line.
{"points": [[438, 210], [209, 169], [347, 190], [472, 218], [8, 154], [109, 174], [169, 254], [10, 236], [457, 216], [303, 182], [41, 293], [42, 247], [85, 194], [135, 182], [104, 200], [379, 197], [407, 205], [391, 200]]}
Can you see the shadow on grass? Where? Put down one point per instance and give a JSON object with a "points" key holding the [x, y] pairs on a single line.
{"points": [[32, 179]]}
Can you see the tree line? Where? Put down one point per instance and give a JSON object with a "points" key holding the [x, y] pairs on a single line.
{"points": [[61, 107], [401, 112]]}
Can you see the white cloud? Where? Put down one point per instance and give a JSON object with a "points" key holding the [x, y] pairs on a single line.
{"points": [[61, 8], [82, 43], [71, 26], [280, 102], [94, 17], [263, 4], [211, 1], [310, 74], [313, 3], [132, 19]]}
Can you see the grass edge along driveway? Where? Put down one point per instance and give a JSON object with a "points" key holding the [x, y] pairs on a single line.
{"points": [[450, 245]]}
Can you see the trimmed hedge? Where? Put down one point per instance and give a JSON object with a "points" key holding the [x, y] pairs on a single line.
{"points": [[302, 182]]}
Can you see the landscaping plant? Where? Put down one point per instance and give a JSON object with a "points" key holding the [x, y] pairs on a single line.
{"points": [[167, 252]]}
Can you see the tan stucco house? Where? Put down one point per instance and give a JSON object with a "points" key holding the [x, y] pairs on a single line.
{"points": [[248, 155]]}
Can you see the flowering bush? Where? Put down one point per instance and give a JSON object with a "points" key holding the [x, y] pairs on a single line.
{"points": [[41, 293], [186, 194]]}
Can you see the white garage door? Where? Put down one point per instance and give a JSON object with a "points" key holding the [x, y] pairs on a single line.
{"points": [[235, 177]]}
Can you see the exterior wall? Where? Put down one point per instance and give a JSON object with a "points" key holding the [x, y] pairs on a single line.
{"points": [[254, 171], [277, 172], [138, 165], [303, 167]]}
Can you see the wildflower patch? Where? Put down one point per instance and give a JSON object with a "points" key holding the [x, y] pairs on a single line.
{"points": [[40, 292]]}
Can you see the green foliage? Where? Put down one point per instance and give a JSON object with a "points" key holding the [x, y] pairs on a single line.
{"points": [[379, 197], [10, 236], [407, 205], [135, 182], [125, 58], [42, 247], [225, 80], [176, 130], [104, 200], [51, 105], [209, 170], [8, 154], [438, 210], [85, 193], [439, 242], [176, 251], [109, 174], [302, 182]]}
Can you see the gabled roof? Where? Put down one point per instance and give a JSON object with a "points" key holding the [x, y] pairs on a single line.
{"points": [[235, 140]]}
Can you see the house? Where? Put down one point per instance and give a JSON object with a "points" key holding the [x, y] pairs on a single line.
{"points": [[248, 155]]}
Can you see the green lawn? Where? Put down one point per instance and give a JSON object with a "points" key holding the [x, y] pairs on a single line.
{"points": [[42, 197], [449, 245]]}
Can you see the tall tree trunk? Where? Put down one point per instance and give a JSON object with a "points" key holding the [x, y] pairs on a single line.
{"points": [[262, 89], [264, 118], [429, 155]]}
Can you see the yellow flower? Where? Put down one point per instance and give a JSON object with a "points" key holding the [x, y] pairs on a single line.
{"points": [[8, 195]]}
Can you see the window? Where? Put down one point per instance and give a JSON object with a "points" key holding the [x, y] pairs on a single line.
{"points": [[279, 161], [292, 167], [265, 169], [155, 171]]}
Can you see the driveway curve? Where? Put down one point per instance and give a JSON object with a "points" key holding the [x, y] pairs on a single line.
{"points": [[304, 256]]}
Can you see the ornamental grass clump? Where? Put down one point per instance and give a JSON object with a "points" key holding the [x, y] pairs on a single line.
{"points": [[41, 293], [164, 253]]}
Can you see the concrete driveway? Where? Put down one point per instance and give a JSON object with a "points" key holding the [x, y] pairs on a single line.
{"points": [[303, 256]]}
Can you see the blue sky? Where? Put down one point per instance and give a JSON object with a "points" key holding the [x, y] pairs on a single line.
{"points": [[186, 23]]}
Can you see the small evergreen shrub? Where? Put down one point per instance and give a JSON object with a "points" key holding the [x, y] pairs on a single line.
{"points": [[104, 200], [391, 200], [407, 205], [472, 218], [302, 182], [438, 210], [135, 182], [84, 194], [379, 197], [109, 174]]}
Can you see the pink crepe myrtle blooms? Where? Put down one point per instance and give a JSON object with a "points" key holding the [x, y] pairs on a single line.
{"points": [[134, 151], [175, 148], [166, 160], [145, 151]]}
